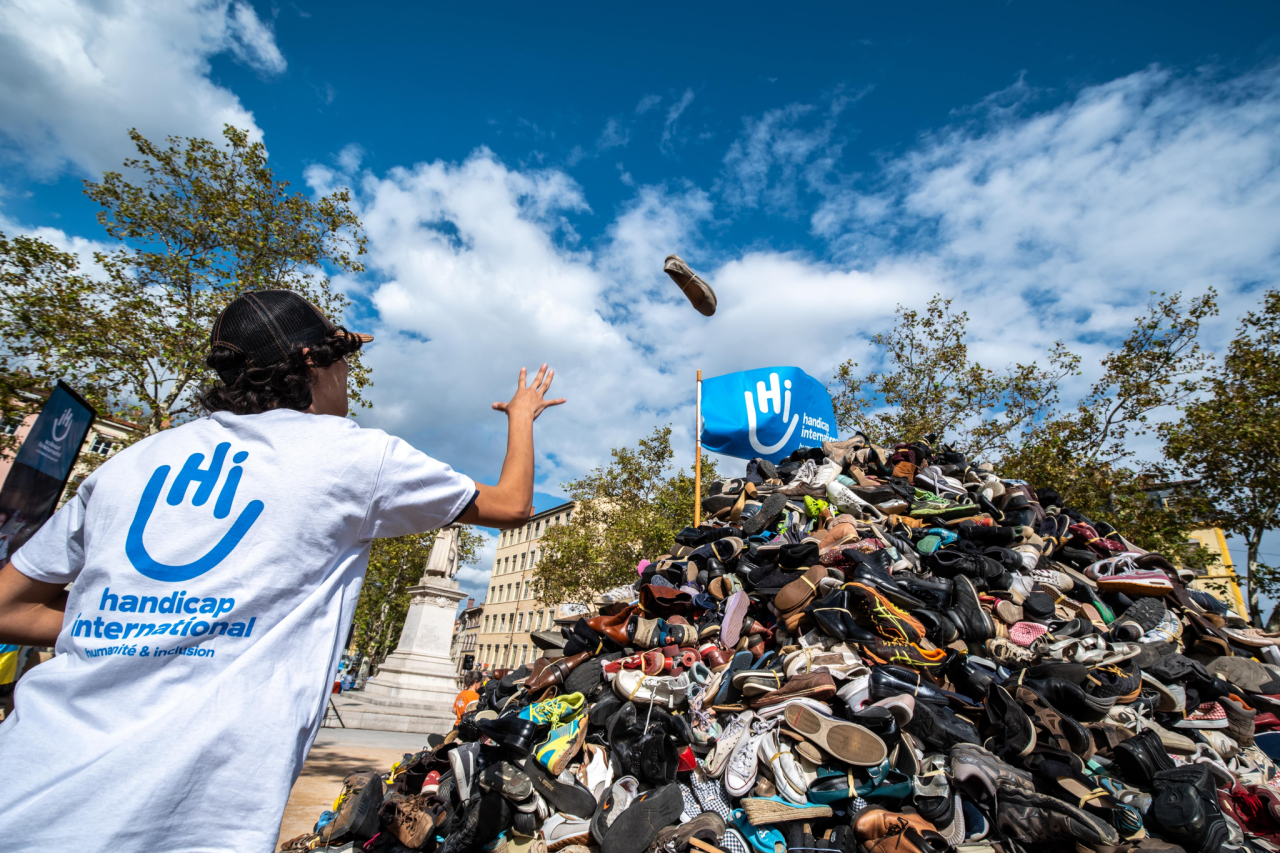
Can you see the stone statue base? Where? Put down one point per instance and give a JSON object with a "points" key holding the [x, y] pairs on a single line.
{"points": [[417, 683]]}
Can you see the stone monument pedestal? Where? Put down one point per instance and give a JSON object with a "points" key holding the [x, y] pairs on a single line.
{"points": [[416, 685]]}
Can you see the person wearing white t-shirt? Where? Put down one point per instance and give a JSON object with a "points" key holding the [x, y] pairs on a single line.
{"points": [[215, 569]]}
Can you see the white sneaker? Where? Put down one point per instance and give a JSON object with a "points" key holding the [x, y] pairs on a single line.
{"points": [[561, 830], [1053, 578], [740, 775], [732, 735]]}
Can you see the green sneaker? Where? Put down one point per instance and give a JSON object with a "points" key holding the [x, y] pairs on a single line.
{"points": [[928, 505], [555, 711], [561, 745], [813, 507]]}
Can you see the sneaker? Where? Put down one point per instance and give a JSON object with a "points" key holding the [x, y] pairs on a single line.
{"points": [[1123, 680], [613, 803], [1122, 574], [699, 293], [1027, 818], [507, 779], [483, 820], [1210, 715], [981, 774], [560, 830], [356, 809], [885, 617], [562, 744], [907, 654], [706, 827], [634, 829], [553, 712]]}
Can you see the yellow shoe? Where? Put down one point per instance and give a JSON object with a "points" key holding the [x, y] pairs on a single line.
{"points": [[562, 744], [555, 711]]}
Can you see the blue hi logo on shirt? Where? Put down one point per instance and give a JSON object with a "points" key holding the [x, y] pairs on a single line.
{"points": [[206, 478]]}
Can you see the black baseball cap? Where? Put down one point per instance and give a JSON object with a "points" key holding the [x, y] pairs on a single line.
{"points": [[265, 326]]}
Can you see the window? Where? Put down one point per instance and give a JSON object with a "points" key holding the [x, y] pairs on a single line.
{"points": [[508, 592], [523, 557], [491, 598], [533, 559], [530, 622], [101, 445], [9, 427], [524, 652], [556, 520], [537, 529], [539, 621], [520, 622], [504, 622], [486, 624], [567, 516]]}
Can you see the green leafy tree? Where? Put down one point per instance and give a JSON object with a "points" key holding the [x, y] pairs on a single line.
{"points": [[196, 224], [1086, 452], [1015, 417], [25, 261], [931, 387], [394, 566], [1229, 438], [627, 511]]}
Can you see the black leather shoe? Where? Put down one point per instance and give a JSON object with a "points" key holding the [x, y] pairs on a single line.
{"points": [[970, 678], [934, 592], [974, 623], [510, 731], [889, 680], [940, 630], [878, 720], [879, 578], [1013, 733], [939, 728], [834, 619], [1141, 757]]}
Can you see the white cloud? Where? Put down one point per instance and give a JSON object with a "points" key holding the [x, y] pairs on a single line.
{"points": [[252, 41], [75, 76], [1043, 225], [647, 103], [673, 115]]}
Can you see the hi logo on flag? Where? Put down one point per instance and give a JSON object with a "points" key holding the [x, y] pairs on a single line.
{"points": [[767, 412]]}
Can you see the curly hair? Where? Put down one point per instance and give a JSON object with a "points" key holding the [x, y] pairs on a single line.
{"points": [[247, 389]]}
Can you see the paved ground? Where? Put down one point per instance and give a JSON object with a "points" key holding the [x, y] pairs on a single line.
{"points": [[336, 753]]}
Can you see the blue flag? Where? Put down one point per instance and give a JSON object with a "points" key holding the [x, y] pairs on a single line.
{"points": [[767, 412]]}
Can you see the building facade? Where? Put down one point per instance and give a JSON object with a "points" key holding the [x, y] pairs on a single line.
{"points": [[466, 635], [510, 612]]}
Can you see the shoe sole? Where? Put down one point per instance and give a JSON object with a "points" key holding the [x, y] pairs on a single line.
{"points": [[731, 626], [584, 838], [770, 511], [1127, 586], [760, 811], [848, 742]]}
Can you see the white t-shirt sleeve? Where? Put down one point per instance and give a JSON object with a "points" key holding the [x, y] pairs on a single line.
{"points": [[414, 493], [55, 554]]}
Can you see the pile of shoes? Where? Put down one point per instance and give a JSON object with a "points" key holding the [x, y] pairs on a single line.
{"points": [[863, 648]]}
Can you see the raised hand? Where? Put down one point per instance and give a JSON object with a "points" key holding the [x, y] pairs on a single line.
{"points": [[530, 398]]}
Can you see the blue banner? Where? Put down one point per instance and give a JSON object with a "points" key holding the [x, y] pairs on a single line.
{"points": [[54, 441], [767, 412]]}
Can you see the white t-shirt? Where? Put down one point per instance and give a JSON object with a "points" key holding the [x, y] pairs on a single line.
{"points": [[216, 567]]}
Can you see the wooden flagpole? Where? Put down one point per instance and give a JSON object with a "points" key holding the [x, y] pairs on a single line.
{"points": [[697, 462]]}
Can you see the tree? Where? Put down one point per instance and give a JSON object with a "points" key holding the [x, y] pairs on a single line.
{"points": [[932, 388], [1086, 452], [1015, 419], [197, 224], [627, 511], [394, 566], [1229, 437], [25, 259]]}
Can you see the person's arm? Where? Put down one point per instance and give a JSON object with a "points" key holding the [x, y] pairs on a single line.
{"points": [[31, 611], [510, 503]]}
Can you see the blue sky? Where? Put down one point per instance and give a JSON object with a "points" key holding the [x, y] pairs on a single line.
{"points": [[522, 170]]}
